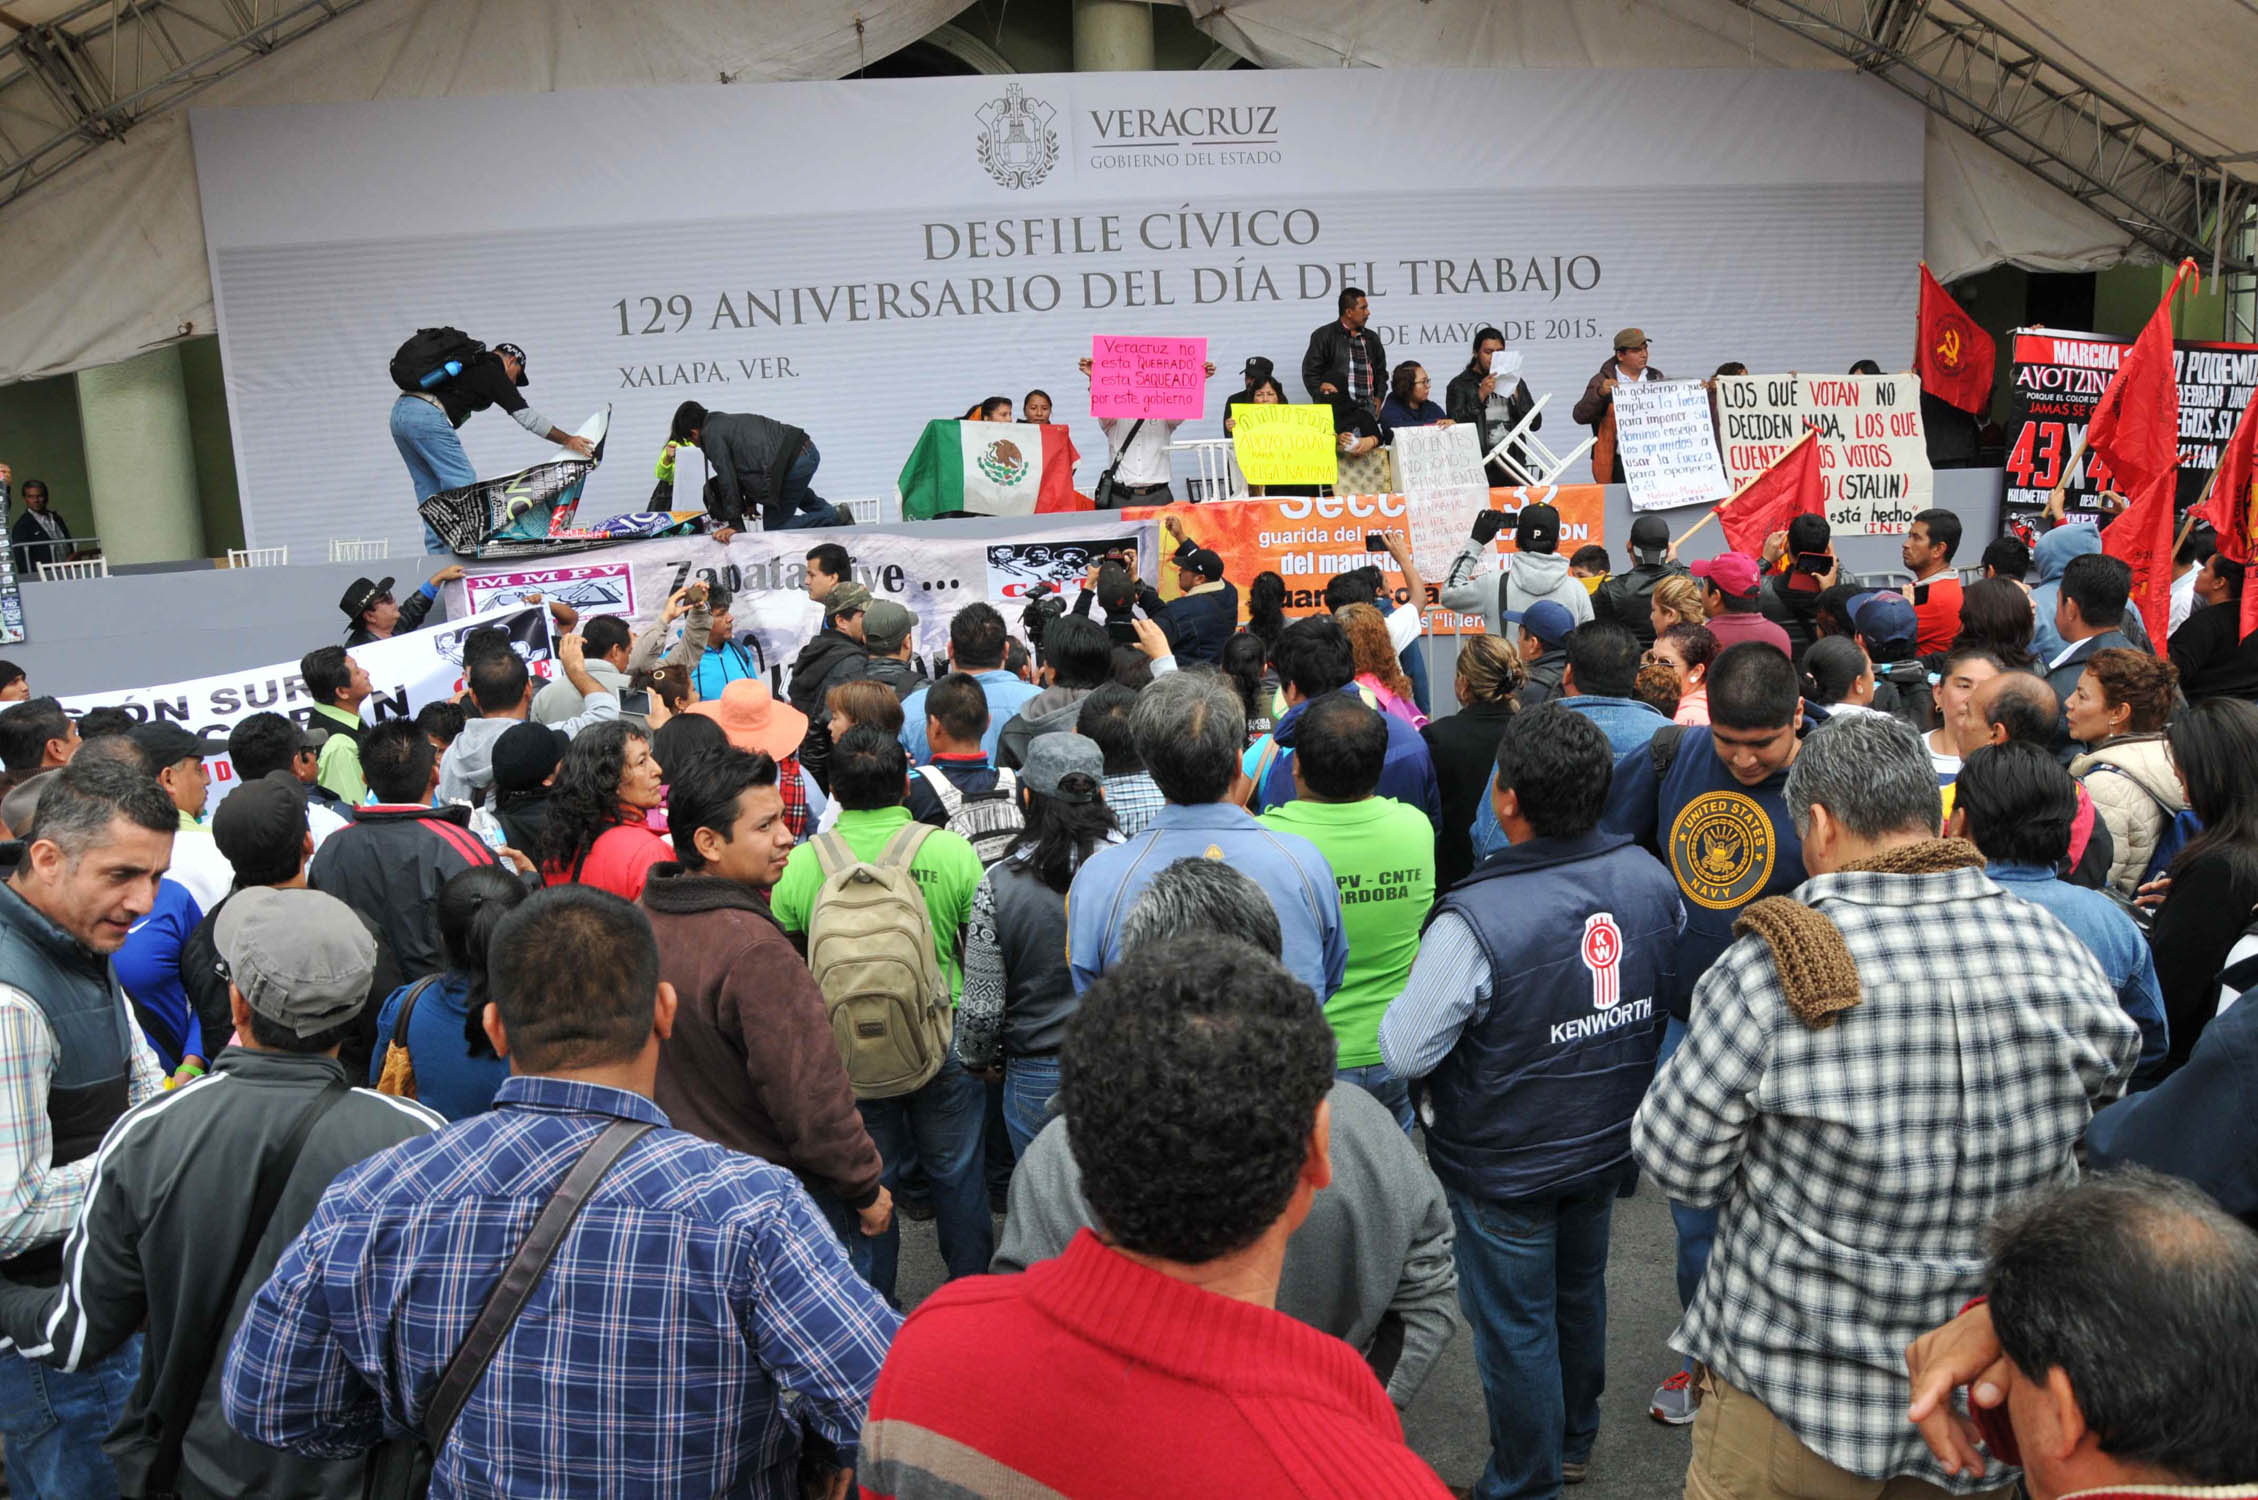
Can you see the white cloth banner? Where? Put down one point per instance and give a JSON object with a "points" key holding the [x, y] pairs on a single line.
{"points": [[930, 574], [406, 672], [954, 238], [1873, 452], [1668, 448], [1439, 472]]}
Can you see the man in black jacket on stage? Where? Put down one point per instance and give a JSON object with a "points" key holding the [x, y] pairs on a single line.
{"points": [[758, 463], [1345, 357]]}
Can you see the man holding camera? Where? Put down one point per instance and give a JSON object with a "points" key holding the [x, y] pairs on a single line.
{"points": [[1534, 570]]}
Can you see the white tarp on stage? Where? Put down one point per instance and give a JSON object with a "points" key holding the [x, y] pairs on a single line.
{"points": [[929, 242]]}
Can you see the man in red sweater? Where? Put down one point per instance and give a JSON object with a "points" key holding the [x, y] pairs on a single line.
{"points": [[1152, 1362], [1935, 589]]}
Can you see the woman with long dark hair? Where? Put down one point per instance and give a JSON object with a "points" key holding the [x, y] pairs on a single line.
{"points": [[2213, 883], [1266, 608], [1018, 993], [596, 832], [1995, 616], [450, 1065], [1463, 746], [1246, 661]]}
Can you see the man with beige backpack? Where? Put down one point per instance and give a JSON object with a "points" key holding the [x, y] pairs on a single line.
{"points": [[880, 904]]}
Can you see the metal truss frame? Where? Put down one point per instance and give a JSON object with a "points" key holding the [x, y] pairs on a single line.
{"points": [[90, 75], [2174, 197]]}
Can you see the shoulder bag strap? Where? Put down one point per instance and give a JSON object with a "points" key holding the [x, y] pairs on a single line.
{"points": [[408, 1008], [164, 1470], [1112, 468], [901, 849], [832, 854], [521, 1276], [950, 798]]}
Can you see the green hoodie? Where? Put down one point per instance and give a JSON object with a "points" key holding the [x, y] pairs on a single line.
{"points": [[1383, 858]]}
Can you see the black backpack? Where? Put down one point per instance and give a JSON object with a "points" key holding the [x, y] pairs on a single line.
{"points": [[428, 350]]}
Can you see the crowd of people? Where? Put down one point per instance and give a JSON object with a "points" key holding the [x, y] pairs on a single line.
{"points": [[529, 1092]]}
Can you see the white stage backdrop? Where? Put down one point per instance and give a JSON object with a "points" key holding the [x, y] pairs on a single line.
{"points": [[858, 257]]}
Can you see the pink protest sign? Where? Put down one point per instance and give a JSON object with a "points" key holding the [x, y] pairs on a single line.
{"points": [[1164, 380]]}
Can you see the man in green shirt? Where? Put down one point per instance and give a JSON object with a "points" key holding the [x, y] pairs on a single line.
{"points": [[940, 1125], [338, 687], [1383, 858]]}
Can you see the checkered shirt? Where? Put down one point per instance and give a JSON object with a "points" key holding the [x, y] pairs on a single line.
{"points": [[696, 1316], [1135, 801], [1857, 1165]]}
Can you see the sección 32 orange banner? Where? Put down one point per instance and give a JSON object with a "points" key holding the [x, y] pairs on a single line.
{"points": [[1308, 541]]}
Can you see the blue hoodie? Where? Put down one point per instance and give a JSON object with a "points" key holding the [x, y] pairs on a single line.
{"points": [[2051, 556], [1408, 773]]}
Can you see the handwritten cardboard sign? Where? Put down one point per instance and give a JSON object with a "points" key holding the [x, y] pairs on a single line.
{"points": [[1161, 380], [1291, 444], [1669, 449], [1439, 471], [1873, 454]]}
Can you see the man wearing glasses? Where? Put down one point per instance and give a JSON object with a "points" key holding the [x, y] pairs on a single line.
{"points": [[1597, 409]]}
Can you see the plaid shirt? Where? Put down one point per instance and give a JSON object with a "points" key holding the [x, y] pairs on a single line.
{"points": [[1135, 801], [39, 1200], [794, 791], [1857, 1165], [696, 1289]]}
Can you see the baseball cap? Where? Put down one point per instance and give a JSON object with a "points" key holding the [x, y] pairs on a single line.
{"points": [[1547, 620], [363, 593], [1884, 618], [261, 827], [1630, 338], [301, 958], [1809, 533], [1650, 534], [885, 625], [1258, 368], [169, 744], [1536, 528], [1734, 573], [1201, 560], [524, 755], [514, 352], [1051, 758], [846, 597]]}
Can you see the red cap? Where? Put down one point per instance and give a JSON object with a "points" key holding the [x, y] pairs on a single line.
{"points": [[1733, 572]]}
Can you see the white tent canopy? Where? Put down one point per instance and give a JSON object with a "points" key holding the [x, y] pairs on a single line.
{"points": [[108, 258]]}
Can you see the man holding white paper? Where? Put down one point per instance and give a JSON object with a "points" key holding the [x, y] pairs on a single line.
{"points": [[1491, 395]]}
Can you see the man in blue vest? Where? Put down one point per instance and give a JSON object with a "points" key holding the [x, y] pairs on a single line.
{"points": [[71, 1061], [1709, 803], [1534, 1013]]}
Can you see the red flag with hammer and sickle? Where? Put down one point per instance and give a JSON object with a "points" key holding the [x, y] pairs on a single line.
{"points": [[1954, 357]]}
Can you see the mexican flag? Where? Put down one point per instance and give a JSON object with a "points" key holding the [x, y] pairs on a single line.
{"points": [[990, 469]]}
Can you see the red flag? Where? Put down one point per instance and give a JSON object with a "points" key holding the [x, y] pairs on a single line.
{"points": [[2232, 508], [2135, 428], [2141, 538], [1789, 488], [1953, 356]]}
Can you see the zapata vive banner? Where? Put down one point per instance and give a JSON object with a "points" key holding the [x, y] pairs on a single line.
{"points": [[530, 513], [405, 672]]}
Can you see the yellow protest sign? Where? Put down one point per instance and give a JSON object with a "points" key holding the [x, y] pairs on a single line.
{"points": [[1285, 444]]}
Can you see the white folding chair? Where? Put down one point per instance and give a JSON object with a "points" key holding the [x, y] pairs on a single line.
{"points": [[258, 557], [359, 549], [65, 572], [865, 512], [1218, 465], [1543, 466]]}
